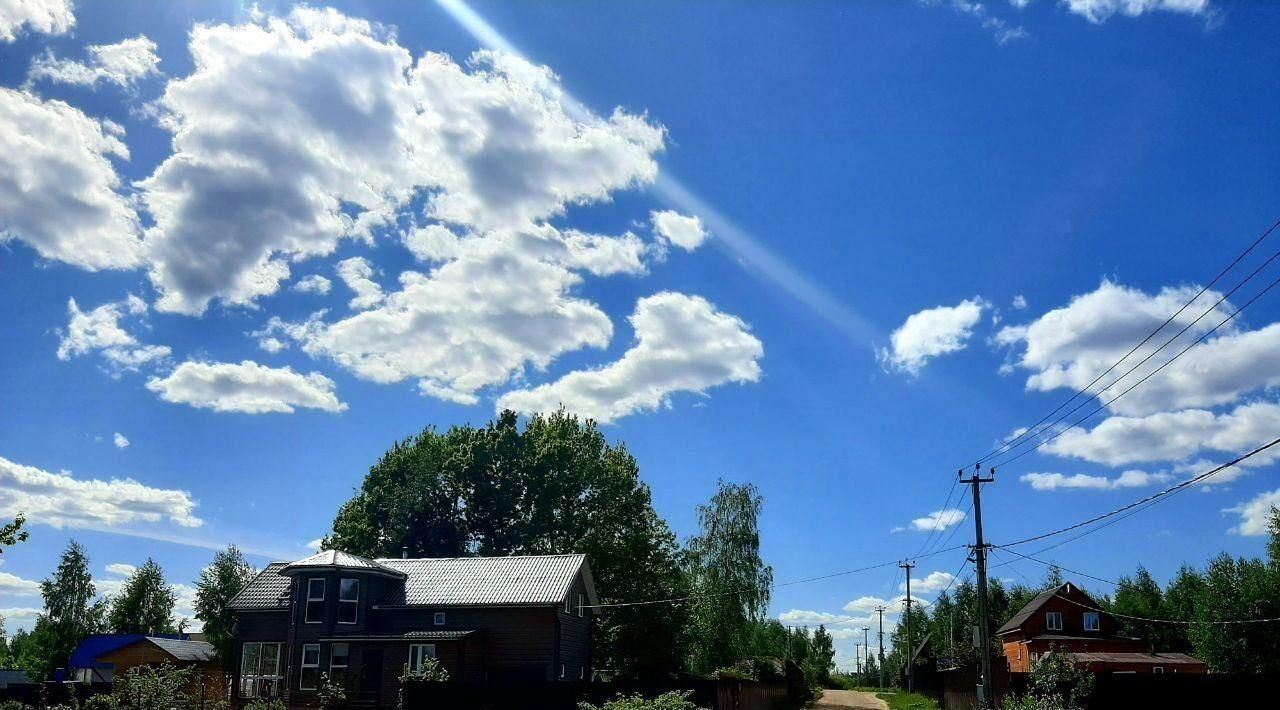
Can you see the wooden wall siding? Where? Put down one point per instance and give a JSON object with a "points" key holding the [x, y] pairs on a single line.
{"points": [[208, 676]]}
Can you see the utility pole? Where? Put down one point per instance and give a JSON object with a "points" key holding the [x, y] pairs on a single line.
{"points": [[911, 684], [880, 612], [866, 667], [857, 660], [985, 691]]}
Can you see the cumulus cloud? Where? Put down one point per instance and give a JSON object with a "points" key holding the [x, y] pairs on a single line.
{"points": [[122, 64], [120, 569], [1255, 514], [1173, 436], [1099, 11], [120, 441], [933, 582], [51, 17], [15, 586], [683, 344], [61, 501], [1019, 302], [357, 274], [99, 331], [939, 520], [931, 333], [1070, 346], [1128, 479], [19, 617], [358, 128], [674, 228], [314, 545], [59, 192], [246, 387], [314, 283]]}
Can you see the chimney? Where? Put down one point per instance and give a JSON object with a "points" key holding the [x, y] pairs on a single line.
{"points": [[404, 552]]}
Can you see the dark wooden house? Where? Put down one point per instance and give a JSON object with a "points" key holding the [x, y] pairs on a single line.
{"points": [[362, 622], [1067, 619]]}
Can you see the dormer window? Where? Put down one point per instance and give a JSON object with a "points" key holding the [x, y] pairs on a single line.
{"points": [[315, 601], [439, 618], [1091, 621], [1053, 620], [580, 602], [348, 600]]}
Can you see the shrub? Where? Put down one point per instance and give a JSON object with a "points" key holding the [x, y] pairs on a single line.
{"points": [[674, 700], [1055, 684], [260, 704]]}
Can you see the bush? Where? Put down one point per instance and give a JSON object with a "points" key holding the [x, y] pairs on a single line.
{"points": [[1055, 684], [908, 701], [675, 700], [260, 704], [14, 705]]}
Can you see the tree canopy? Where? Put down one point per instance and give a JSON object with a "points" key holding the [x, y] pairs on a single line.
{"points": [[218, 583], [71, 612], [145, 603]]}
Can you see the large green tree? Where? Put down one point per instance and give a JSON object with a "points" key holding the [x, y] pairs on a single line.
{"points": [[218, 583], [144, 604], [557, 486], [71, 612], [729, 579], [12, 533]]}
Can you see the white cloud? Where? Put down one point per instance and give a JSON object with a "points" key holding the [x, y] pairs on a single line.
{"points": [[19, 617], [688, 233], [934, 582], [121, 569], [120, 441], [1070, 346], [315, 544], [1003, 30], [357, 126], [59, 192], [122, 64], [1128, 479], [939, 520], [58, 500], [314, 283], [683, 344], [246, 387], [13, 585], [99, 331], [1099, 11], [1019, 302], [51, 17], [1173, 436], [1255, 514], [930, 333], [357, 274]]}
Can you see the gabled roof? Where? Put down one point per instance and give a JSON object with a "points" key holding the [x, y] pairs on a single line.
{"points": [[1034, 605], [336, 559], [185, 650], [436, 581]]}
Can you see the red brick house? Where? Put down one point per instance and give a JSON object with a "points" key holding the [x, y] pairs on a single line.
{"points": [[1068, 619]]}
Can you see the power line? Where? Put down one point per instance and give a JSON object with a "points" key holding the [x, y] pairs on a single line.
{"points": [[1013, 443], [1179, 622], [937, 524], [1149, 499], [1145, 377]]}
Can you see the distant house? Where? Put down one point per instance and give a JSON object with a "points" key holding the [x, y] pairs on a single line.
{"points": [[1069, 620], [101, 657], [363, 621]]}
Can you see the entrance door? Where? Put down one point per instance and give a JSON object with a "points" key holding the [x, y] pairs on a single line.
{"points": [[371, 676]]}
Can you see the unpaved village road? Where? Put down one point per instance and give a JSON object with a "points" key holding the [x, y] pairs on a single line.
{"points": [[832, 699]]}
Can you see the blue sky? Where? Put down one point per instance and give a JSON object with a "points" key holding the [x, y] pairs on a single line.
{"points": [[833, 249]]}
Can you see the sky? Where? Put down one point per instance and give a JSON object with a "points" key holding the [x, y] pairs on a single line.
{"points": [[837, 250]]}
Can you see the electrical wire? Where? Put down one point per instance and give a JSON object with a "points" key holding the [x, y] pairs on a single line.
{"points": [[937, 524], [1032, 430]]}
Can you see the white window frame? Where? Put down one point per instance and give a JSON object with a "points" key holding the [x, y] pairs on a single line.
{"points": [[418, 657], [343, 666], [253, 681], [1050, 617], [1158, 670], [568, 604], [303, 673], [562, 668], [1096, 618], [439, 619], [355, 617], [580, 601], [306, 608]]}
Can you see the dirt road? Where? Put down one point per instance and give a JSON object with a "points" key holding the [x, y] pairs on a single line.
{"points": [[833, 699]]}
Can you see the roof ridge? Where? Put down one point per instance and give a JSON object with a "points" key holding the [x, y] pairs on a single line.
{"points": [[478, 557]]}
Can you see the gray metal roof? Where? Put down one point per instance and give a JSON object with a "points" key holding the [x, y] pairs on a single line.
{"points": [[1155, 659], [337, 559], [269, 590], [185, 650], [449, 581], [440, 581]]}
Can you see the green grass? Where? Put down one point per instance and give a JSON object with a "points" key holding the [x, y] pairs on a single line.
{"points": [[908, 701]]}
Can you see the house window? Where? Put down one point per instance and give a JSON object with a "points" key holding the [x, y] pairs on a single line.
{"points": [[310, 678], [562, 670], [579, 605], [1158, 669], [582, 672], [419, 653], [339, 660], [348, 600], [315, 601], [260, 675], [439, 619], [568, 606], [1053, 620], [1091, 621]]}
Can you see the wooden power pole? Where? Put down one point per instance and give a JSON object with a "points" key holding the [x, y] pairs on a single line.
{"points": [[986, 689], [880, 661], [907, 651]]}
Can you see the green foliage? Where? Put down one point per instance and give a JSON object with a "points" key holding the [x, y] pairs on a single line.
{"points": [[13, 705], [731, 580], [262, 704], [218, 583], [675, 700], [331, 695], [70, 613], [430, 672], [162, 687], [12, 533], [908, 701], [1056, 683], [144, 604], [556, 487]]}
